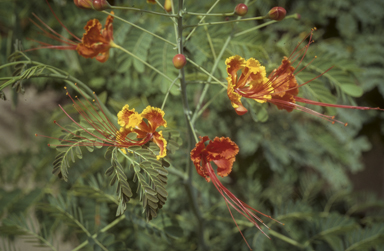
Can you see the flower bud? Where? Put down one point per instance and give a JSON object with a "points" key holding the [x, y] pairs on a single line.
{"points": [[179, 61], [98, 5], [241, 9], [168, 5], [277, 13]]}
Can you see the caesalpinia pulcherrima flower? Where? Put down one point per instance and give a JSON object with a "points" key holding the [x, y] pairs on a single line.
{"points": [[133, 122], [279, 88], [222, 152], [95, 43], [102, 132]]}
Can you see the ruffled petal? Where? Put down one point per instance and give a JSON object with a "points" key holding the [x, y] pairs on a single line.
{"points": [[197, 156], [93, 33], [234, 64], [107, 32], [85, 51], [155, 117], [285, 85], [128, 118], [161, 143], [222, 152]]}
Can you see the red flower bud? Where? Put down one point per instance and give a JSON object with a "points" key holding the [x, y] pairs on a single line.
{"points": [[168, 5], [241, 9], [277, 13], [98, 5], [179, 61]]}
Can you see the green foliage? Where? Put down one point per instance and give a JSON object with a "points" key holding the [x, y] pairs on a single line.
{"points": [[292, 166]]}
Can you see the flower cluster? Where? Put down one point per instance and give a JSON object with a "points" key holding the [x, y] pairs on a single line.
{"points": [[247, 78]]}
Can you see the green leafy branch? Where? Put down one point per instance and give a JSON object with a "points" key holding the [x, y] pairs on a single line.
{"points": [[22, 226]]}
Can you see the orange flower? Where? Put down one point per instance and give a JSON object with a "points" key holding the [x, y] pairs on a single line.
{"points": [[222, 152], [95, 42], [252, 82], [131, 121], [280, 88], [102, 132]]}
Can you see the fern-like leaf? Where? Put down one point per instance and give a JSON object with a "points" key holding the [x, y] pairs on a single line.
{"points": [[24, 227]]}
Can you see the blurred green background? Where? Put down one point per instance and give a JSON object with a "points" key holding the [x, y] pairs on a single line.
{"points": [[324, 181]]}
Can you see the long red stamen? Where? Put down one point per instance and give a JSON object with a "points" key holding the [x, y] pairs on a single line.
{"points": [[55, 35], [109, 125], [110, 135], [295, 106], [62, 23], [238, 205], [308, 101]]}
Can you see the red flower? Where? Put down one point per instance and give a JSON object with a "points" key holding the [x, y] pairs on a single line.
{"points": [[280, 88], [222, 152], [95, 42]]}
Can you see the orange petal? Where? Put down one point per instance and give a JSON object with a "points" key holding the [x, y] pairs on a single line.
{"points": [[198, 154], [234, 64], [85, 51], [93, 33], [161, 143], [103, 57], [128, 118], [107, 32], [155, 117]]}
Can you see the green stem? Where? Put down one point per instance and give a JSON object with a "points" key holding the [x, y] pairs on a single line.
{"points": [[60, 74], [140, 28], [206, 72], [144, 62], [178, 173], [262, 25], [141, 10], [206, 87], [191, 134], [167, 94], [202, 20], [106, 228], [199, 112], [213, 14], [225, 22], [210, 43], [71, 80], [286, 239]]}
